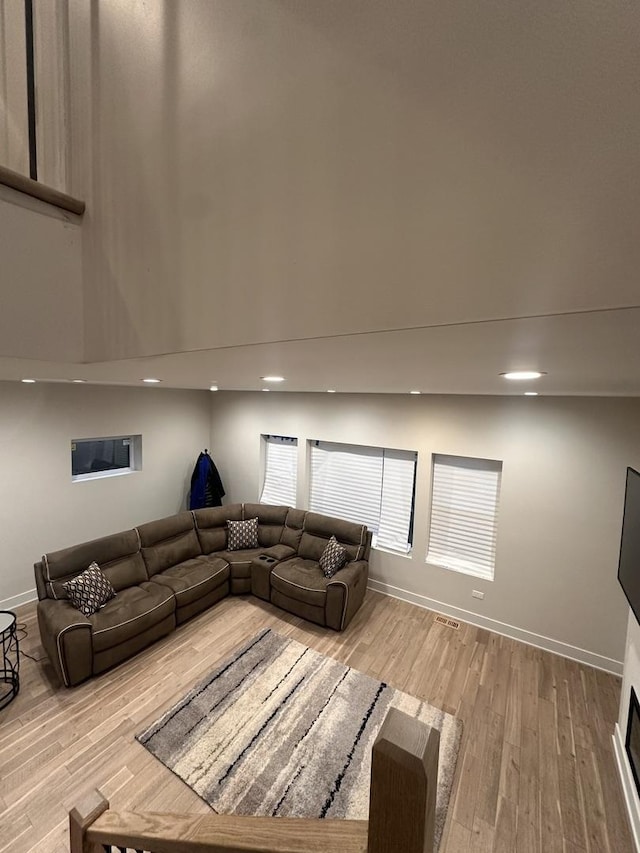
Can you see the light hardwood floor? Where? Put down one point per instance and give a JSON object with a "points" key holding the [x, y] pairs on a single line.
{"points": [[535, 773]]}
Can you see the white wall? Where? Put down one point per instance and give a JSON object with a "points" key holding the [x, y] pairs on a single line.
{"points": [[42, 510], [41, 300], [313, 167], [564, 463], [14, 131]]}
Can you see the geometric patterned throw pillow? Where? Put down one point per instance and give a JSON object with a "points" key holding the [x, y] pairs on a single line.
{"points": [[242, 534], [333, 558], [90, 590]]}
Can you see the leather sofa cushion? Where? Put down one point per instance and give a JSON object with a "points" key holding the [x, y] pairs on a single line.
{"points": [[270, 521], [318, 529], [125, 572], [211, 525], [117, 555], [194, 578], [169, 541], [301, 580], [299, 608], [116, 654], [292, 530], [133, 611]]}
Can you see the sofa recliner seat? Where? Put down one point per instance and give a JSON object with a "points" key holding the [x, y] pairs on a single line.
{"points": [[144, 610], [195, 583], [279, 532], [166, 571], [299, 585], [134, 611], [172, 554]]}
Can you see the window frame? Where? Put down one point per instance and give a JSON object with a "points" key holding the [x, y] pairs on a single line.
{"points": [[379, 457], [274, 440], [135, 457], [472, 507]]}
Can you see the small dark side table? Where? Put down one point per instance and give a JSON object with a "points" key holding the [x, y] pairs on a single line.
{"points": [[10, 661]]}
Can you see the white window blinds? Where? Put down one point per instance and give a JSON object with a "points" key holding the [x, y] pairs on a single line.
{"points": [[396, 510], [366, 485], [464, 514], [281, 471]]}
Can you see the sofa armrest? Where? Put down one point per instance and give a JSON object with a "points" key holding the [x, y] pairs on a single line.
{"points": [[345, 594], [66, 637], [261, 568]]}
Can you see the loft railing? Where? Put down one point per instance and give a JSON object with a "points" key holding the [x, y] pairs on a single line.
{"points": [[404, 771], [41, 191], [35, 86]]}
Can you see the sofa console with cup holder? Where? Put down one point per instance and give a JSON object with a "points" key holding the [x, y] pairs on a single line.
{"points": [[102, 601]]}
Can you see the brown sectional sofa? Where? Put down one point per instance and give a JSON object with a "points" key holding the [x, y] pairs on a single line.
{"points": [[164, 572]]}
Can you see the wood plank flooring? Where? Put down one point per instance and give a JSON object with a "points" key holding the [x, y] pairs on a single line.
{"points": [[535, 774]]}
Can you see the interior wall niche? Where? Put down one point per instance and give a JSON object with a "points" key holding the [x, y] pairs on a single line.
{"points": [[632, 740]]}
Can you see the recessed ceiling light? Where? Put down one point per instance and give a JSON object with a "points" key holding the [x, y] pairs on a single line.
{"points": [[523, 374], [28, 381], [151, 381], [272, 378], [266, 389], [530, 393], [415, 392], [78, 381], [331, 390], [213, 388]]}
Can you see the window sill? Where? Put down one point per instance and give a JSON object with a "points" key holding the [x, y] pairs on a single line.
{"points": [[101, 475], [480, 575], [35, 189], [407, 556]]}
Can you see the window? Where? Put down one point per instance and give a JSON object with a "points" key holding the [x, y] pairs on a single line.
{"points": [[105, 457], [17, 83], [280, 470], [464, 514], [367, 485], [34, 100]]}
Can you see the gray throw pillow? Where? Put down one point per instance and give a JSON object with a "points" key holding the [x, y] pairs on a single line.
{"points": [[242, 534], [89, 591], [333, 558]]}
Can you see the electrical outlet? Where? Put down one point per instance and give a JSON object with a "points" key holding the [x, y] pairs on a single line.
{"points": [[477, 594]]}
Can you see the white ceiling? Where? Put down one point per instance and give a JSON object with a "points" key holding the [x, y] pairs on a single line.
{"points": [[366, 196], [595, 353]]}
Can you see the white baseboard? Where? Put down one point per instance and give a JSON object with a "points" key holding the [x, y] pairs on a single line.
{"points": [[628, 786], [528, 637], [17, 600]]}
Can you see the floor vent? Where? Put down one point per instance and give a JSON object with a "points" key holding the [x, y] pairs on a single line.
{"points": [[444, 620]]}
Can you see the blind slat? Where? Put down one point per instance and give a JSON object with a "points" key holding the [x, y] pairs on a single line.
{"points": [[346, 483], [397, 501], [464, 507], [281, 471], [366, 485]]}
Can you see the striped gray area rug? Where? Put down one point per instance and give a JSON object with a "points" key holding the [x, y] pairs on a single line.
{"points": [[279, 729]]}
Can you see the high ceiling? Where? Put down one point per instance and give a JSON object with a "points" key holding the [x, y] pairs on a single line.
{"points": [[596, 353], [363, 196]]}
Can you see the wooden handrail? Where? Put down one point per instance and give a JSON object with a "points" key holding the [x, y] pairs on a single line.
{"points": [[172, 833], [404, 783], [401, 817], [41, 191]]}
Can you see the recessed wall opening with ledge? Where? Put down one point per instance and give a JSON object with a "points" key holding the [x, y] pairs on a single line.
{"points": [[93, 458], [632, 741]]}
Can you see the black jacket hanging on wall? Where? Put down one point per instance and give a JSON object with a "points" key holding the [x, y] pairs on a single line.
{"points": [[206, 485]]}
